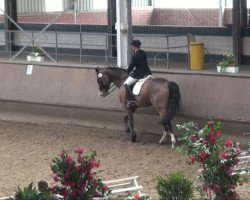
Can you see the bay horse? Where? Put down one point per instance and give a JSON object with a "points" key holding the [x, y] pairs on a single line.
{"points": [[162, 94]]}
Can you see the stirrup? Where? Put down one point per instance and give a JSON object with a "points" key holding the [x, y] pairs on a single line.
{"points": [[131, 103]]}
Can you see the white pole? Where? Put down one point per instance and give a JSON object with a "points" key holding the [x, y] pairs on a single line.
{"points": [[124, 32], [222, 5]]}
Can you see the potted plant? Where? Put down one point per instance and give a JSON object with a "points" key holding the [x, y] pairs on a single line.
{"points": [[227, 64], [36, 55]]}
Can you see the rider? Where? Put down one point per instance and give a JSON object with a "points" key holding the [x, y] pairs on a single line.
{"points": [[137, 69]]}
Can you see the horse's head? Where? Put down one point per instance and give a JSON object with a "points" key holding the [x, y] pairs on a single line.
{"points": [[103, 81]]}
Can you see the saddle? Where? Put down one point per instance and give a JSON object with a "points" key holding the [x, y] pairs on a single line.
{"points": [[136, 88]]}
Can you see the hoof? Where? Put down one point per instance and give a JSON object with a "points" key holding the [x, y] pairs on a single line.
{"points": [[133, 139], [161, 141], [128, 130]]}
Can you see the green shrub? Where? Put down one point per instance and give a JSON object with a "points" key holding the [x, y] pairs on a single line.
{"points": [[27, 193], [31, 193], [174, 186]]}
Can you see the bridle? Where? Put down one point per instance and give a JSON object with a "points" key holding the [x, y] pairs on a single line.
{"points": [[106, 88], [109, 89]]}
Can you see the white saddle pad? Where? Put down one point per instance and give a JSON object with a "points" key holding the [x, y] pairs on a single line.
{"points": [[138, 85]]}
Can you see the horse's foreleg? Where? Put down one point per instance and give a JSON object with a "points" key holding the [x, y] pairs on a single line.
{"points": [[131, 126], [126, 123]]}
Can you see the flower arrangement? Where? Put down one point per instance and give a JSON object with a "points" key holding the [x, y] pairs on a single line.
{"points": [[76, 177], [217, 157], [228, 60]]}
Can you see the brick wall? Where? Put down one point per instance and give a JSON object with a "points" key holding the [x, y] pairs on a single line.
{"points": [[184, 17], [142, 17], [175, 17]]}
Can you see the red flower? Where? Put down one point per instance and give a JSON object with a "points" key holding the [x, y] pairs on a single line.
{"points": [[83, 185], [204, 142], [224, 155], [62, 155], [232, 187], [210, 123], [211, 137], [193, 159], [205, 187], [91, 177], [56, 179], [231, 170], [203, 155], [193, 138], [71, 183], [79, 159], [93, 163], [80, 150], [236, 161], [68, 159], [218, 134], [238, 150], [78, 168], [216, 188], [66, 175], [66, 193], [105, 188], [228, 143]]}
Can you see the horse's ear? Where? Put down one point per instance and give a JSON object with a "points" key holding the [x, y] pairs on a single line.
{"points": [[97, 70]]}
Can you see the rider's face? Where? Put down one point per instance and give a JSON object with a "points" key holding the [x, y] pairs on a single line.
{"points": [[134, 48]]}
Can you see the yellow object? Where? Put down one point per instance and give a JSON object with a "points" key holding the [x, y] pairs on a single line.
{"points": [[196, 55]]}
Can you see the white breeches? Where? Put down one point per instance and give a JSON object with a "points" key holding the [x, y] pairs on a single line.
{"points": [[130, 81]]}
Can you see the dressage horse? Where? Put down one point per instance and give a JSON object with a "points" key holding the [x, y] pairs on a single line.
{"points": [[158, 92]]}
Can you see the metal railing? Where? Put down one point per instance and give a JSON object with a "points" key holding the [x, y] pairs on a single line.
{"points": [[58, 45]]}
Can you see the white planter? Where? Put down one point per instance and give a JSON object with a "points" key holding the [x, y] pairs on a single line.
{"points": [[35, 58], [231, 69]]}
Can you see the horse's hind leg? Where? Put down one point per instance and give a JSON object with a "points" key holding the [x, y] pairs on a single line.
{"points": [[173, 140], [164, 135]]}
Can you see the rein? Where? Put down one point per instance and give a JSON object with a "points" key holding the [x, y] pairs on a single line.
{"points": [[112, 86]]}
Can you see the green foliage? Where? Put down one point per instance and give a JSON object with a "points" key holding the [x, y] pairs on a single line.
{"points": [[27, 193], [31, 193], [45, 195], [36, 51], [228, 60], [174, 186]]}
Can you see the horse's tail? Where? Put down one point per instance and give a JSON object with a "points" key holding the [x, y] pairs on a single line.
{"points": [[173, 104]]}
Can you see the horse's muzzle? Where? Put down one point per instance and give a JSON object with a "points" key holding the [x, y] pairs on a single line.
{"points": [[103, 94]]}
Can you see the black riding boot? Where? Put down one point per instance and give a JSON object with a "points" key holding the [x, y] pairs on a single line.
{"points": [[131, 99]]}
